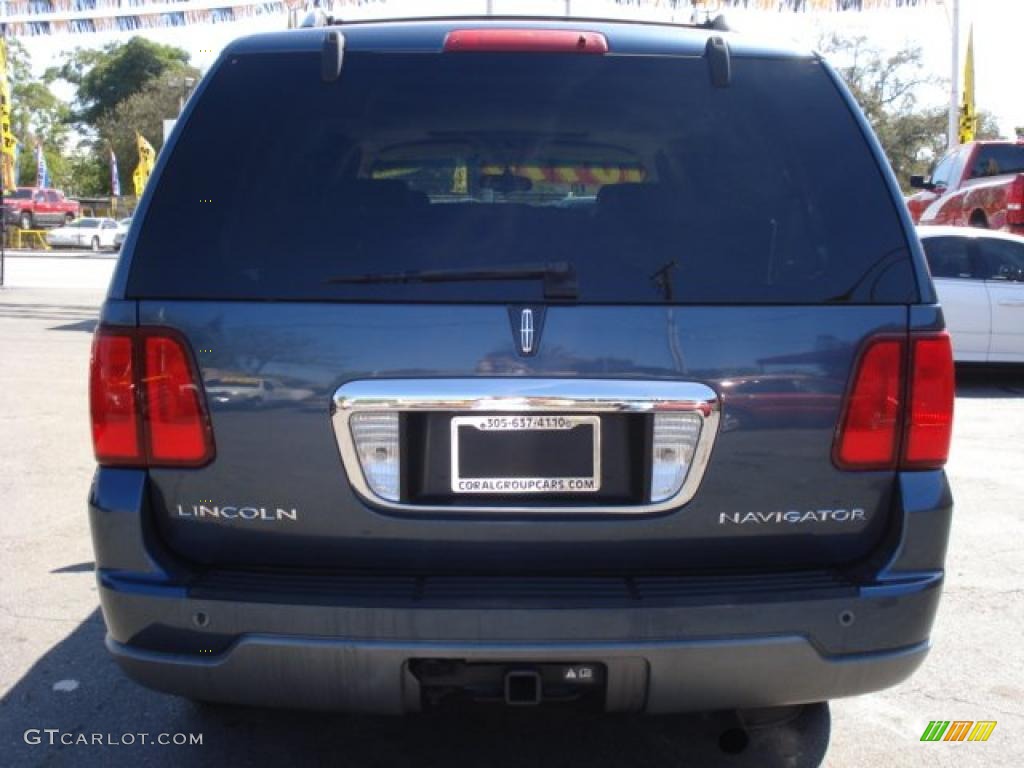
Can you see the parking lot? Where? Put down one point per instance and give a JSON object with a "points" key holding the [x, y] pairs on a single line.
{"points": [[55, 674]]}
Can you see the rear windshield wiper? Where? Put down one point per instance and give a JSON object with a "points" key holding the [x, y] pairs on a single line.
{"points": [[559, 277]]}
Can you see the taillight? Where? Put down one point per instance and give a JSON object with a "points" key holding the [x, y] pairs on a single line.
{"points": [[869, 436], [899, 408], [175, 418], [112, 402], [932, 390], [146, 400], [525, 41], [1015, 202]]}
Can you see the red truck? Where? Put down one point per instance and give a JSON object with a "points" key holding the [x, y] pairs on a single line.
{"points": [[38, 207], [978, 184]]}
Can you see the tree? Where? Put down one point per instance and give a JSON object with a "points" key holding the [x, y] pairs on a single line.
{"points": [[888, 88], [38, 117], [107, 76], [87, 175], [144, 112], [121, 88]]}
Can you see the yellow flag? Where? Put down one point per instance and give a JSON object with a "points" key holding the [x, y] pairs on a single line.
{"points": [[7, 140], [968, 112], [147, 158]]}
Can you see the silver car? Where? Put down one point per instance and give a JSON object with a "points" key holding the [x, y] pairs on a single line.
{"points": [[92, 233]]}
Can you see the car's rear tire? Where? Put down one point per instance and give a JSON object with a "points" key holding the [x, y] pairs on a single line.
{"points": [[95, 245], [25, 220], [68, 218], [978, 220]]}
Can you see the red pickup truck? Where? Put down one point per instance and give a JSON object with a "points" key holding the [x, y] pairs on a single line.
{"points": [[978, 184], [36, 207]]}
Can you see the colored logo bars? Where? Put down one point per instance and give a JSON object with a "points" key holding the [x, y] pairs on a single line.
{"points": [[958, 730]]}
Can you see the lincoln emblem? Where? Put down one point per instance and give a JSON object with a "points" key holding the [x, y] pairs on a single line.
{"points": [[526, 331]]}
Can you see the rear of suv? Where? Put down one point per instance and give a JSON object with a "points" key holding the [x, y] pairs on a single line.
{"points": [[560, 374]]}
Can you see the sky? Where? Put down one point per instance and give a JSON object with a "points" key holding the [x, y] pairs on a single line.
{"points": [[998, 26]]}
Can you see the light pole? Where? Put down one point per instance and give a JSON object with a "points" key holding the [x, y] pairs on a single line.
{"points": [[186, 84], [954, 90]]}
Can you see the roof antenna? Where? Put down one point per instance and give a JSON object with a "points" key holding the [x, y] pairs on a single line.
{"points": [[331, 56], [719, 63]]}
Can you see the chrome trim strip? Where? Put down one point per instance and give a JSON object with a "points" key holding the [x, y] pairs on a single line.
{"points": [[526, 395]]}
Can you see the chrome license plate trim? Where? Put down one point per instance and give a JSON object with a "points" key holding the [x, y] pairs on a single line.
{"points": [[513, 394], [526, 422]]}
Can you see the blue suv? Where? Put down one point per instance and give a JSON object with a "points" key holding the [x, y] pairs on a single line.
{"points": [[520, 361]]}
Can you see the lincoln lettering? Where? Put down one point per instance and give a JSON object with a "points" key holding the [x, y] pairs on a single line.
{"points": [[792, 516], [238, 513]]}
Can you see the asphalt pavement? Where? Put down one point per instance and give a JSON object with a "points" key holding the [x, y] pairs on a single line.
{"points": [[55, 674]]}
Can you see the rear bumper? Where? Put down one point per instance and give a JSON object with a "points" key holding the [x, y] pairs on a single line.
{"points": [[682, 653], [657, 677], [681, 644]]}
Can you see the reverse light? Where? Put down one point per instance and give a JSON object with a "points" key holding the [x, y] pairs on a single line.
{"points": [[673, 447], [525, 41], [376, 441], [146, 401]]}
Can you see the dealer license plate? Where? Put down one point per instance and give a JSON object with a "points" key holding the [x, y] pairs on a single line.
{"points": [[526, 453]]}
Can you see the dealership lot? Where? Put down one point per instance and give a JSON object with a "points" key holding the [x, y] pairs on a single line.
{"points": [[54, 673]]}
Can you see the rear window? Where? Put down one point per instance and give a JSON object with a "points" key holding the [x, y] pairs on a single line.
{"points": [[998, 159], [949, 256], [650, 183]]}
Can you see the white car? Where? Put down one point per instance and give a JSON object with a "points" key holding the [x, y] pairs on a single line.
{"points": [[93, 233], [122, 232], [979, 276]]}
